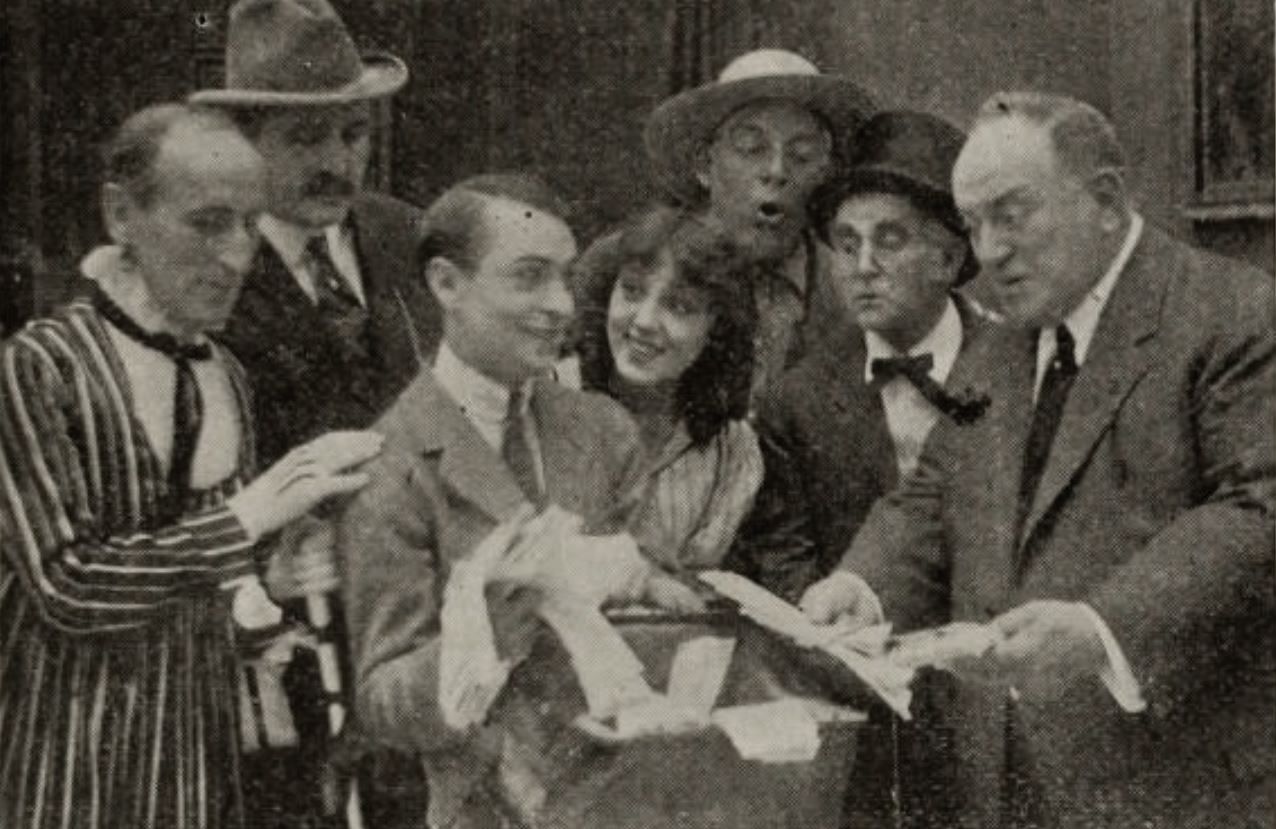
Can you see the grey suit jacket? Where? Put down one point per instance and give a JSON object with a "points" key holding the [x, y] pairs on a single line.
{"points": [[437, 489], [1155, 507]]}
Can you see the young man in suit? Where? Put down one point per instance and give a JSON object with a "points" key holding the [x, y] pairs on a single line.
{"points": [[1110, 517], [474, 439], [332, 323], [848, 421]]}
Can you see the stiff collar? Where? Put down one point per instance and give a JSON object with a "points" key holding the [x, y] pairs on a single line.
{"points": [[477, 394], [942, 342], [107, 266], [290, 241], [1084, 319]]}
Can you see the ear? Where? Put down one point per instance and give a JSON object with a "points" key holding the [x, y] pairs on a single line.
{"points": [[118, 208], [1107, 188], [446, 280], [953, 251]]}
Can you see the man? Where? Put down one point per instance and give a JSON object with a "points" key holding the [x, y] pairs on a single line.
{"points": [[749, 148], [848, 421], [127, 518], [331, 325], [1111, 515], [474, 439]]}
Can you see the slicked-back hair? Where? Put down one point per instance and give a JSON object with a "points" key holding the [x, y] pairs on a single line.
{"points": [[715, 387], [129, 157], [1085, 141], [454, 227]]}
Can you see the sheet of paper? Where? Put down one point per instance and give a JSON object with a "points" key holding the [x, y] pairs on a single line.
{"points": [[782, 731], [699, 668]]}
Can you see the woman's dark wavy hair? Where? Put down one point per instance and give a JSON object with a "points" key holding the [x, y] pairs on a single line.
{"points": [[715, 387]]}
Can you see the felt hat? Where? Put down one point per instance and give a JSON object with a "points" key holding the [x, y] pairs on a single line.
{"points": [[681, 126], [297, 53]]}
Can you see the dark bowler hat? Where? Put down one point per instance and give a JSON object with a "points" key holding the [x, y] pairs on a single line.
{"points": [[298, 53], [683, 125], [905, 152]]}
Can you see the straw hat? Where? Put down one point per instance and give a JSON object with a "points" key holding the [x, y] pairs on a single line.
{"points": [[297, 53], [682, 125]]}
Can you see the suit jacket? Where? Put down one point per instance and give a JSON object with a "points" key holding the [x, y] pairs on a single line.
{"points": [[306, 378], [829, 456], [437, 489], [1155, 507]]}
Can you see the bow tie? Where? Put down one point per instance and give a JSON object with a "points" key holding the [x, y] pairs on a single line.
{"points": [[915, 369], [160, 341]]}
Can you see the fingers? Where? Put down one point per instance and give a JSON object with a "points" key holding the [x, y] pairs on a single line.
{"points": [[341, 450], [822, 603], [1016, 619]]}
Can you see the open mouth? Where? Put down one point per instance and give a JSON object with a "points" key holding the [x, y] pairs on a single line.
{"points": [[770, 213], [641, 350]]}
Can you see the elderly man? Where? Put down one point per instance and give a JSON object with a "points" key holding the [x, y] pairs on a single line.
{"points": [[331, 325], [473, 441], [749, 148], [1110, 517], [127, 519]]}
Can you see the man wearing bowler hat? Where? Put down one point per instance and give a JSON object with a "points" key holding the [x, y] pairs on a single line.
{"points": [[749, 148], [331, 324], [849, 420]]}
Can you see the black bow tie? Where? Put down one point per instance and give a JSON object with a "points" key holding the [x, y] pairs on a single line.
{"points": [[916, 370]]}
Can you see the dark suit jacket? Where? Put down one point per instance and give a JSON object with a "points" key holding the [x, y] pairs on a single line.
{"points": [[828, 456], [1156, 508], [437, 489], [306, 379]]}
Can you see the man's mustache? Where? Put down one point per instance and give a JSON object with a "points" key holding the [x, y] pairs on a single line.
{"points": [[327, 184]]}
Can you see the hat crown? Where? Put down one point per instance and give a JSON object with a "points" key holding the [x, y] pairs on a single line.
{"points": [[912, 145], [289, 46], [766, 63]]}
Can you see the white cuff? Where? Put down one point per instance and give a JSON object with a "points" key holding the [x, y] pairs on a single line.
{"points": [[1117, 675]]}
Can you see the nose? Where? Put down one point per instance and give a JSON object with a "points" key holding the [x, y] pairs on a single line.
{"points": [[333, 155], [776, 167], [239, 247], [990, 246], [864, 264], [556, 298], [644, 314]]}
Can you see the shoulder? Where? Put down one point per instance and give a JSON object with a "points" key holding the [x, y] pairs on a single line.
{"points": [[590, 412], [387, 208], [1204, 284]]}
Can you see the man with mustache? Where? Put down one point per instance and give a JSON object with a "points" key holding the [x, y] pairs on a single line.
{"points": [[1110, 518], [331, 324], [749, 149]]}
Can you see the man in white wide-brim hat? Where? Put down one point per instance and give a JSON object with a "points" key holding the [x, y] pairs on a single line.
{"points": [[751, 147], [332, 322]]}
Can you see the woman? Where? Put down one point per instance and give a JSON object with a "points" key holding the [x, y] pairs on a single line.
{"points": [[667, 330]]}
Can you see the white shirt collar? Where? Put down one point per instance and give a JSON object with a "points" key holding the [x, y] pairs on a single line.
{"points": [[1084, 319], [478, 395], [106, 266], [290, 241], [942, 342]]}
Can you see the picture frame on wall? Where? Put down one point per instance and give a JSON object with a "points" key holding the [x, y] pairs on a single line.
{"points": [[1234, 139]]}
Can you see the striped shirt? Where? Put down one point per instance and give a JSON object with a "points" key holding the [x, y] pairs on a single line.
{"points": [[117, 665]]}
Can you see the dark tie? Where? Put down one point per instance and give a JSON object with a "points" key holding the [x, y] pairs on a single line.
{"points": [[916, 370], [335, 299], [1055, 384], [517, 452], [188, 406]]}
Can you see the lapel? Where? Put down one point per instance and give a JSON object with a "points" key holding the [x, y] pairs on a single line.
{"points": [[564, 455], [860, 416], [390, 324], [1119, 355], [428, 421]]}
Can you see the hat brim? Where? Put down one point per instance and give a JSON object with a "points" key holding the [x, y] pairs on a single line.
{"points": [[382, 75], [683, 124]]}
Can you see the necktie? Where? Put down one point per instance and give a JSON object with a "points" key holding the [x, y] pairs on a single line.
{"points": [[916, 370], [188, 406], [517, 452], [335, 299], [1055, 384]]}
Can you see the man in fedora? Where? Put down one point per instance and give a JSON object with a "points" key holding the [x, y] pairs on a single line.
{"points": [[332, 323], [844, 424], [750, 148]]}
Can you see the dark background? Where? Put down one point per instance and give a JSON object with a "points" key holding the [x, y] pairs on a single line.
{"points": [[563, 87]]}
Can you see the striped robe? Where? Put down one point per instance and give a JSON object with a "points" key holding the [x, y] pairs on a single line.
{"points": [[117, 665]]}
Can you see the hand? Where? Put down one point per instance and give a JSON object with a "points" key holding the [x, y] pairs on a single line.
{"points": [[304, 478], [1048, 641], [667, 592], [305, 563], [842, 597]]}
